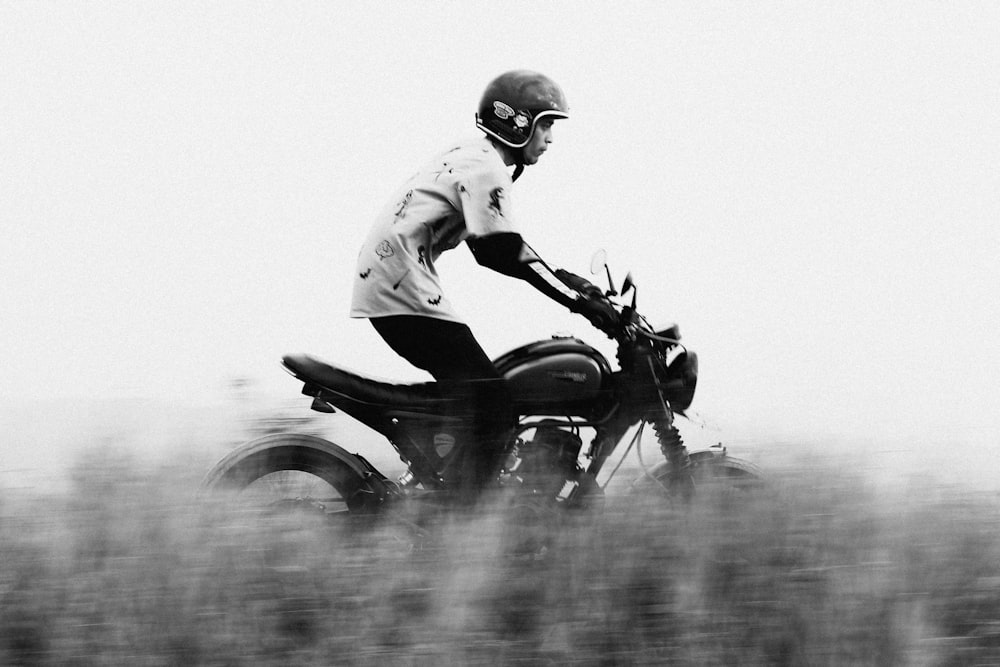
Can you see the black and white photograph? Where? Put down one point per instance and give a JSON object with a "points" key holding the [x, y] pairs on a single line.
{"points": [[478, 333]]}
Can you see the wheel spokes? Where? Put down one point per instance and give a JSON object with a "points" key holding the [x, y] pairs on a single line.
{"points": [[293, 489]]}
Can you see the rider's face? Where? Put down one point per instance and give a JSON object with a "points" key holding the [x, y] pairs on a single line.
{"points": [[539, 142]]}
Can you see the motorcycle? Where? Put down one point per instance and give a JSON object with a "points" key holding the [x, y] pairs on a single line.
{"points": [[559, 387]]}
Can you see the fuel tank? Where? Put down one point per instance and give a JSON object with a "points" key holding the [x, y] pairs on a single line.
{"points": [[555, 376]]}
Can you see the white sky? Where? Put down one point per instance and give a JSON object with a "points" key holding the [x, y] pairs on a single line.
{"points": [[809, 189]]}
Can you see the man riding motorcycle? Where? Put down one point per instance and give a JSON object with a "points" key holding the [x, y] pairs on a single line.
{"points": [[463, 194]]}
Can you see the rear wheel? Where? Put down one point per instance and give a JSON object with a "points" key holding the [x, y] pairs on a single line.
{"points": [[297, 471]]}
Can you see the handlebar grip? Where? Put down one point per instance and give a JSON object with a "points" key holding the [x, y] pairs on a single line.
{"points": [[578, 283]]}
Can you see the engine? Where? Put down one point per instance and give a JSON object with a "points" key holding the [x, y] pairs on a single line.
{"points": [[548, 462]]}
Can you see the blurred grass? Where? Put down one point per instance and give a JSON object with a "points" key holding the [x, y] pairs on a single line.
{"points": [[130, 567]]}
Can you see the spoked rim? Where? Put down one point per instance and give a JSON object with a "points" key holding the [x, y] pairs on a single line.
{"points": [[289, 470], [292, 490], [709, 476]]}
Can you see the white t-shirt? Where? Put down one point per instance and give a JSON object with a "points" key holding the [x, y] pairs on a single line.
{"points": [[463, 192]]}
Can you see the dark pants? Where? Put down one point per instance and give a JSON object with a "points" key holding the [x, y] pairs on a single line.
{"points": [[452, 355]]}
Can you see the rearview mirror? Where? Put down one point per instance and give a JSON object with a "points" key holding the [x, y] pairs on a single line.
{"points": [[599, 262], [629, 282]]}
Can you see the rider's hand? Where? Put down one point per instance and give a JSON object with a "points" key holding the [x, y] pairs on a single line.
{"points": [[581, 285], [601, 314]]}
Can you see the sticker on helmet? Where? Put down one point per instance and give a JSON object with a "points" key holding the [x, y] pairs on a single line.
{"points": [[502, 111], [522, 120]]}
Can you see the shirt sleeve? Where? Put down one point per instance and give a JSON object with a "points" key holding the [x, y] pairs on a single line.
{"points": [[507, 253], [485, 197]]}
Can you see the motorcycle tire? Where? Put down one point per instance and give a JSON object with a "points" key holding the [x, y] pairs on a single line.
{"points": [[710, 474], [293, 470]]}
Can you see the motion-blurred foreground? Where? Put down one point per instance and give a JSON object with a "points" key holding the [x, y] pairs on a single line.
{"points": [[125, 564]]}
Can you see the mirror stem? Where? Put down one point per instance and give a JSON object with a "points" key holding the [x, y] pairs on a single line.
{"points": [[611, 284]]}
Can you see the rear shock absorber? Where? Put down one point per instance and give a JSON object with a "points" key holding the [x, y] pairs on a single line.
{"points": [[671, 444]]}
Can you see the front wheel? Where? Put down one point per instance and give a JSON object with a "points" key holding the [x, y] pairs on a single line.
{"points": [[298, 471], [711, 475]]}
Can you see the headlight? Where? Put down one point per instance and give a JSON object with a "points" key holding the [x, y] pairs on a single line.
{"points": [[682, 378]]}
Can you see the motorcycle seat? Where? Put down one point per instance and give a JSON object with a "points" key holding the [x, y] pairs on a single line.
{"points": [[422, 397]]}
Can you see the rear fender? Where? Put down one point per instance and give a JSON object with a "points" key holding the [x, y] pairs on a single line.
{"points": [[320, 457]]}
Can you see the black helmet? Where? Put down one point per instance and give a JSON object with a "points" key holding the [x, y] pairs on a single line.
{"points": [[514, 102]]}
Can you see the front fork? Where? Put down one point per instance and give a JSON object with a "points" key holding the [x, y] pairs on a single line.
{"points": [[671, 442], [678, 482], [646, 398]]}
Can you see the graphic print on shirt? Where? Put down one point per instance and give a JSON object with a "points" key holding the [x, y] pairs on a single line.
{"points": [[384, 250], [445, 168], [395, 285], [495, 195], [458, 194], [401, 207]]}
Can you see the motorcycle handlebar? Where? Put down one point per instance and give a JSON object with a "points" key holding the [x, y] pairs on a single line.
{"points": [[604, 315], [621, 322], [618, 322], [615, 321]]}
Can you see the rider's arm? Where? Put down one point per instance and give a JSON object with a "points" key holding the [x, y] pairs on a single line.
{"points": [[507, 253]]}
